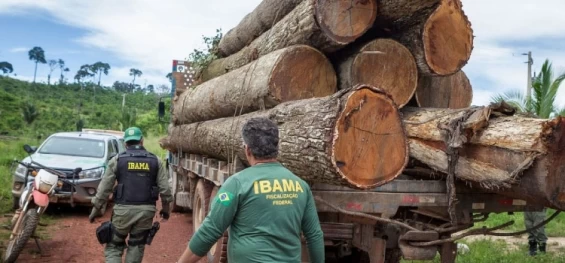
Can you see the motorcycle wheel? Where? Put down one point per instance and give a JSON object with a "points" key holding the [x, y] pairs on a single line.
{"points": [[24, 232]]}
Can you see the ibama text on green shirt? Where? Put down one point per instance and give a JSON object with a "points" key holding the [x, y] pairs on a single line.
{"points": [[280, 191]]}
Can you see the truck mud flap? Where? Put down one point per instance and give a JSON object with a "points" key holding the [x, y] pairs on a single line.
{"points": [[418, 253]]}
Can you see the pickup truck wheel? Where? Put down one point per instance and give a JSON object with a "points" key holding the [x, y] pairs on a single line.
{"points": [[201, 203], [15, 202], [219, 251]]}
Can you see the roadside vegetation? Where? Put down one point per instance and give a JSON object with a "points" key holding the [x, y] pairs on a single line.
{"points": [[499, 251]]}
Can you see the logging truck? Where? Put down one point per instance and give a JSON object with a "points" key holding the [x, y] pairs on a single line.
{"points": [[410, 216]]}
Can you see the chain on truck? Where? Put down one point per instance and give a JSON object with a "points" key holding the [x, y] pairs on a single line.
{"points": [[410, 217]]}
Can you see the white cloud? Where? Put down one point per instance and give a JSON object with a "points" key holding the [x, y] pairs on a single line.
{"points": [[19, 49], [505, 29], [144, 33], [516, 19], [148, 34]]}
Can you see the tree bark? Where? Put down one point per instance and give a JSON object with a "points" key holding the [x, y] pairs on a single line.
{"points": [[292, 73], [453, 91], [326, 25], [353, 138], [398, 15], [261, 19], [516, 156], [382, 63]]}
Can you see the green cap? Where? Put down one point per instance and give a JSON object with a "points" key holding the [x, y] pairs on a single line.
{"points": [[132, 134]]}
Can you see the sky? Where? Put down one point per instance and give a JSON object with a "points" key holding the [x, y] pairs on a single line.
{"points": [[148, 35]]}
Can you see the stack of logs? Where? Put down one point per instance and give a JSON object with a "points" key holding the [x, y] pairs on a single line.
{"points": [[359, 88]]}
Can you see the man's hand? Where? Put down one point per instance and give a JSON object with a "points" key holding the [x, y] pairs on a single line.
{"points": [[164, 213], [94, 214]]}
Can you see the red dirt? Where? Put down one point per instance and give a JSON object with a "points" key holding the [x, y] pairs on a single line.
{"points": [[72, 238]]}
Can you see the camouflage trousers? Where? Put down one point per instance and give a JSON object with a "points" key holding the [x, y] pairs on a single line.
{"points": [[134, 222], [531, 219]]}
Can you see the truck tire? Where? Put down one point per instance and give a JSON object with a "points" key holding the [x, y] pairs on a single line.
{"points": [[219, 252], [200, 203], [393, 255]]}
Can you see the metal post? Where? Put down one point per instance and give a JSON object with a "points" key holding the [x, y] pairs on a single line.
{"points": [[530, 62], [123, 101]]}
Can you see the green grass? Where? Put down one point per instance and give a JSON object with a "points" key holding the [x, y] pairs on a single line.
{"points": [[9, 149], [487, 251], [57, 106], [151, 143], [555, 228]]}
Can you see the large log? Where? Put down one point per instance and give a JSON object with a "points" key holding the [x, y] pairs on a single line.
{"points": [[441, 42], [292, 73], [353, 138], [261, 19], [517, 156], [453, 91], [383, 63], [437, 32], [326, 25], [398, 14]]}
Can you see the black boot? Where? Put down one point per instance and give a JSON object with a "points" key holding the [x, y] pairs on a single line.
{"points": [[533, 248], [542, 247]]}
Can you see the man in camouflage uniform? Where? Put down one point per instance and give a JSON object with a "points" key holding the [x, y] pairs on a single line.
{"points": [[141, 177], [535, 237]]}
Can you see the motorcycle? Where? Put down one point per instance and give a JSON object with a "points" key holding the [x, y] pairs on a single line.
{"points": [[33, 203]]}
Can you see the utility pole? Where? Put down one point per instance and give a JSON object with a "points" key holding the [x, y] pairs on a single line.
{"points": [[530, 62], [123, 101]]}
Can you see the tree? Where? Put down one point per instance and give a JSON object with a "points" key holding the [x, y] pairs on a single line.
{"points": [[129, 118], [162, 89], [170, 76], [135, 73], [38, 55], [202, 58], [150, 88], [6, 67], [99, 68], [84, 72], [79, 124], [545, 88], [123, 87], [29, 112], [561, 112], [63, 69], [52, 66]]}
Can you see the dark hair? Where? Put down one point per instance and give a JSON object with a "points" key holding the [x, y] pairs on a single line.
{"points": [[132, 142], [261, 136]]}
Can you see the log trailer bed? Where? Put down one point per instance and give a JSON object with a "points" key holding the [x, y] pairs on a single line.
{"points": [[417, 205]]}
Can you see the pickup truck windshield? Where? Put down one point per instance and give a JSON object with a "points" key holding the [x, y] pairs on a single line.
{"points": [[74, 147]]}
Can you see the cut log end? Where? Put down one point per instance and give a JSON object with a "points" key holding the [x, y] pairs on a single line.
{"points": [[301, 73], [370, 147], [388, 65], [345, 21], [447, 29], [454, 91]]}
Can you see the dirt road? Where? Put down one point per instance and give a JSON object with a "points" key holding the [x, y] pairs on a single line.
{"points": [[71, 238]]}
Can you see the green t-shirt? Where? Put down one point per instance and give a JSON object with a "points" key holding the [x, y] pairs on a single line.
{"points": [[266, 207]]}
